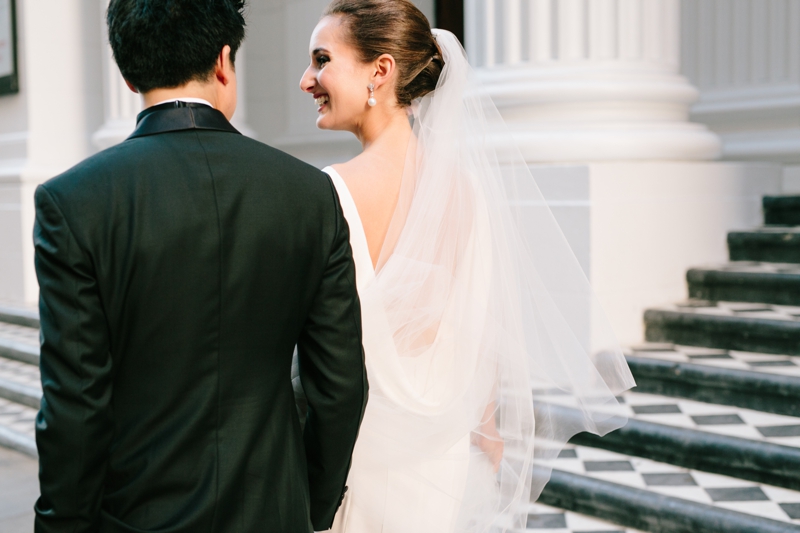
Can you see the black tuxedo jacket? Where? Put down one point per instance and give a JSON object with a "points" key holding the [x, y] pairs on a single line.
{"points": [[178, 270]]}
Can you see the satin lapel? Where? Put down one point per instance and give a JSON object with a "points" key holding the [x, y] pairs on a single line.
{"points": [[179, 116]]}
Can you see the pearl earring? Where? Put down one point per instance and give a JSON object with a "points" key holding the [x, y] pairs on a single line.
{"points": [[372, 102]]}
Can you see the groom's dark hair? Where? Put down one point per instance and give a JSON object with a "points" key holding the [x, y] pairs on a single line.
{"points": [[168, 43]]}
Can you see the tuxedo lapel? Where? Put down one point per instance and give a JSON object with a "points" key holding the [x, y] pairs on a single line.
{"points": [[177, 116]]}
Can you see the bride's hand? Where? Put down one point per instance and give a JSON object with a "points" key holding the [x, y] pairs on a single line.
{"points": [[488, 439], [490, 443]]}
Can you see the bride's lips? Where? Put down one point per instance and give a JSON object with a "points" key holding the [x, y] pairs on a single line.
{"points": [[321, 100]]}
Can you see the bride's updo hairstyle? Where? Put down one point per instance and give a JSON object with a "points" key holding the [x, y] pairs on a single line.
{"points": [[397, 28]]}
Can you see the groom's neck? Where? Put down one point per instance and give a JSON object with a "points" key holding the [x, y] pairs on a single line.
{"points": [[193, 89]]}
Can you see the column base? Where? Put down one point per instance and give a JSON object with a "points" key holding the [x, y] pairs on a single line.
{"points": [[607, 111]]}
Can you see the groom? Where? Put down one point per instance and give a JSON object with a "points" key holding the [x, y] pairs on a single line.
{"points": [[178, 270]]}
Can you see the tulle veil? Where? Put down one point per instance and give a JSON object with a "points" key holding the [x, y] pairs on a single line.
{"points": [[490, 314]]}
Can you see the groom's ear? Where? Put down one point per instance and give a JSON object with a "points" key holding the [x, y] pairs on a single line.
{"points": [[224, 70], [131, 87]]}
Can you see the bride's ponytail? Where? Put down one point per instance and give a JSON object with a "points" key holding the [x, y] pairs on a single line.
{"points": [[397, 28]]}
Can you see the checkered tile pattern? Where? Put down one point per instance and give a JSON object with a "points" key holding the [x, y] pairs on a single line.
{"points": [[773, 229], [746, 310], [755, 267], [758, 362], [720, 419], [545, 519], [711, 489]]}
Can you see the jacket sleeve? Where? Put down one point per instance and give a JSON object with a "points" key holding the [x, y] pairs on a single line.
{"points": [[334, 378], [74, 426]]}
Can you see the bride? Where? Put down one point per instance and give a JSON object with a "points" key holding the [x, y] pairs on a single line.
{"points": [[471, 299]]}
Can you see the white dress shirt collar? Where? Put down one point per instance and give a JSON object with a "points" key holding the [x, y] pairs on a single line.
{"points": [[188, 100]]}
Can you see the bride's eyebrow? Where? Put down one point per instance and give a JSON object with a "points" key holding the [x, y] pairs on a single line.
{"points": [[319, 50]]}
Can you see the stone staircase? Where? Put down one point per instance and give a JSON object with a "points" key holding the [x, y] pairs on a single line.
{"points": [[20, 386], [713, 442]]}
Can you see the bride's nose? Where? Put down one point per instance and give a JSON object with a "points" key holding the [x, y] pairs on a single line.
{"points": [[308, 81]]}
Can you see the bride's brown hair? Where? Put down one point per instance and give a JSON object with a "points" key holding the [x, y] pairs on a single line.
{"points": [[397, 28]]}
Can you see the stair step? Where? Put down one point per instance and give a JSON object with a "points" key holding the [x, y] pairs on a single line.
{"points": [[17, 427], [738, 379], [20, 383], [19, 316], [662, 498], [768, 244], [20, 343], [545, 519], [741, 443], [782, 210], [775, 283], [745, 327]]}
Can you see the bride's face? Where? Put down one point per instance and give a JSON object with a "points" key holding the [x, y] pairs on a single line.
{"points": [[336, 78]]}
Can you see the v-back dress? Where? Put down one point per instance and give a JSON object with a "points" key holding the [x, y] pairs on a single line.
{"points": [[387, 493]]}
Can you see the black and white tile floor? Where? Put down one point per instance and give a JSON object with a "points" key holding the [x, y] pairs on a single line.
{"points": [[760, 362], [713, 418], [546, 519]]}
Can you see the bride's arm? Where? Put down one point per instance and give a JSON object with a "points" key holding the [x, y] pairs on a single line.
{"points": [[487, 438]]}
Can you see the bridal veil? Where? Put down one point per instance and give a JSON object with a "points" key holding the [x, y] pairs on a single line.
{"points": [[483, 308]]}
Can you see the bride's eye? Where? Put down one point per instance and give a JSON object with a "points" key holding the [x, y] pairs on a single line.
{"points": [[321, 60]]}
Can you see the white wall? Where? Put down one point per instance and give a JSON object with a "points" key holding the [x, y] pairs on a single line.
{"points": [[636, 227]]}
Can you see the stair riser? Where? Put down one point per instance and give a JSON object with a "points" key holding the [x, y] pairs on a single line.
{"points": [[764, 254], [19, 352], [19, 317], [759, 293], [728, 333], [759, 391], [782, 210], [757, 461], [648, 511], [767, 403]]}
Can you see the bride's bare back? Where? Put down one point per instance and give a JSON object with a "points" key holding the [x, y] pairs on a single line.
{"points": [[374, 178]]}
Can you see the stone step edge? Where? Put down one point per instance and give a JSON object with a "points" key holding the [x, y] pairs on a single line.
{"points": [[760, 391], [776, 209], [746, 334], [649, 511], [21, 394], [16, 441], [18, 351], [19, 317], [753, 460]]}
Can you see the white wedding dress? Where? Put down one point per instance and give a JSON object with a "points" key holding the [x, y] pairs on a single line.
{"points": [[419, 496], [477, 302]]}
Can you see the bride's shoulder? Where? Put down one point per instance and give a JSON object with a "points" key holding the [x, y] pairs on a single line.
{"points": [[354, 171]]}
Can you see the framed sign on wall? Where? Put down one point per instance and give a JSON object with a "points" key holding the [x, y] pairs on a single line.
{"points": [[9, 80]]}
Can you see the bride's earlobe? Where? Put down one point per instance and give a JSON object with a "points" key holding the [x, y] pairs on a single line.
{"points": [[372, 102]]}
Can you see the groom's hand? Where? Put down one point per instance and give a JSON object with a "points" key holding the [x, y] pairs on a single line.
{"points": [[333, 376]]}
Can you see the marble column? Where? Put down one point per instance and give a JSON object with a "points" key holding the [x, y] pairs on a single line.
{"points": [[121, 105], [239, 120], [744, 56], [588, 80]]}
